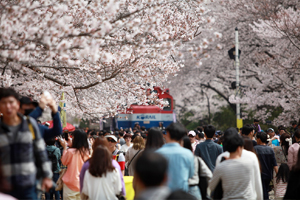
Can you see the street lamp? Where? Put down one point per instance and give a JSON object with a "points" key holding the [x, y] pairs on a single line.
{"points": [[234, 53]]}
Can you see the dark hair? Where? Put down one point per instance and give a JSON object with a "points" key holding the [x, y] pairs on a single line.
{"points": [[144, 136], [284, 143], [248, 144], [283, 173], [296, 167], [187, 143], [200, 134], [98, 167], [176, 131], [297, 133], [232, 142], [8, 92], [210, 131], [262, 136], [65, 135], [80, 142], [256, 120], [51, 141], [200, 128], [151, 168], [247, 129], [228, 132], [121, 133], [155, 139], [221, 140]]}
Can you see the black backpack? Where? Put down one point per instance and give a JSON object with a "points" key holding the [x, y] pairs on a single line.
{"points": [[53, 160]]}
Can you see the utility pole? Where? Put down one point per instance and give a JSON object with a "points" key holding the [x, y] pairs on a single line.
{"points": [[239, 121]]}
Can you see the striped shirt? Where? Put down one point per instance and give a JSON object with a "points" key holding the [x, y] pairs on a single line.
{"points": [[235, 176], [280, 188]]}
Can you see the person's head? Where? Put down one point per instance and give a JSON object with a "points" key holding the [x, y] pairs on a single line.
{"points": [[199, 136], [100, 162], [186, 143], [66, 135], [138, 133], [138, 143], [155, 139], [284, 141], [294, 124], [262, 138], [248, 130], [50, 142], [144, 136], [121, 134], [79, 141], [200, 129], [100, 141], [27, 105], [281, 129], [112, 140], [150, 171], [256, 121], [227, 135], [209, 131], [127, 138], [271, 132], [297, 135], [234, 143], [175, 132], [219, 133], [9, 102], [283, 173], [106, 133], [192, 136], [248, 144]]}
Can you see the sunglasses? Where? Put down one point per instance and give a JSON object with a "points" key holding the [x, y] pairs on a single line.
{"points": [[111, 140]]}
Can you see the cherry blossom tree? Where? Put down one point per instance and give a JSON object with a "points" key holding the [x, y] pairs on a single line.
{"points": [[269, 41], [102, 54]]}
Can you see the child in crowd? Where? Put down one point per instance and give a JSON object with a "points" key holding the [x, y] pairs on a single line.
{"points": [[281, 181]]}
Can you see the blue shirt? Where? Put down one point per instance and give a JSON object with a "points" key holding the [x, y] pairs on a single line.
{"points": [[181, 165], [267, 160], [48, 133], [209, 151]]}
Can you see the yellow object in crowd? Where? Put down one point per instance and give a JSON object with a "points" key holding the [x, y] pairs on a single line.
{"points": [[129, 188]]}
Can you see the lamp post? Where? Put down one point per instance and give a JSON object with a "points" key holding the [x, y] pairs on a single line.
{"points": [[239, 121], [234, 54]]}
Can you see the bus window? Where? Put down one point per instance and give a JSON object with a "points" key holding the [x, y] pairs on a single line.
{"points": [[168, 107]]}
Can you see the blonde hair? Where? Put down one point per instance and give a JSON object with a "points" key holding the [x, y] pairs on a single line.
{"points": [[138, 143]]}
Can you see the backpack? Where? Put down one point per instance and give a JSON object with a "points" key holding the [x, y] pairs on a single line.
{"points": [[53, 160]]}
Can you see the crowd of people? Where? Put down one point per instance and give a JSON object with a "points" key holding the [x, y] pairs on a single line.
{"points": [[38, 162]]}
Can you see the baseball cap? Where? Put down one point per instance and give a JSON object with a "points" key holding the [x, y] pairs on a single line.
{"points": [[270, 130], [113, 137], [192, 133]]}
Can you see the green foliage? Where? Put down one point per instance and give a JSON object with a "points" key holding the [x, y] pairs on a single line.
{"points": [[226, 118], [84, 123]]}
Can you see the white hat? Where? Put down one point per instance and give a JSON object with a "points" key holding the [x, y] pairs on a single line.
{"points": [[192, 133], [113, 137]]}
